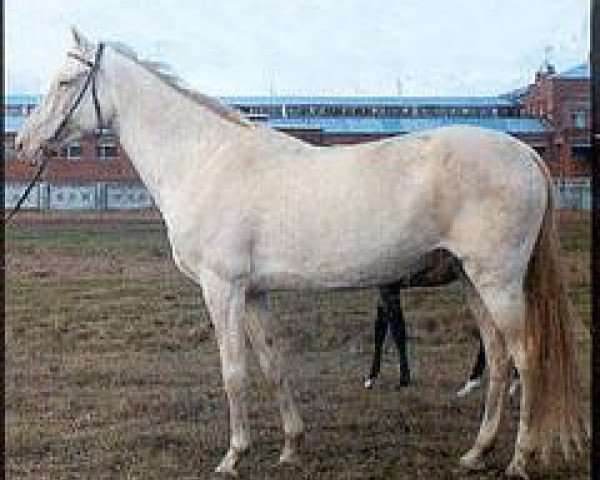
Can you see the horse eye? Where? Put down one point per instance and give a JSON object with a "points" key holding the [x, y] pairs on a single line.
{"points": [[64, 83]]}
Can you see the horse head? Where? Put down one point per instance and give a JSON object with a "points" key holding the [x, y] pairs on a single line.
{"points": [[70, 108]]}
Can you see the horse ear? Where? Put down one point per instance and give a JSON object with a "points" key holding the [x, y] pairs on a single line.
{"points": [[81, 42]]}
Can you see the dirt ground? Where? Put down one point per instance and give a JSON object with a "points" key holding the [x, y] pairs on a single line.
{"points": [[111, 367]]}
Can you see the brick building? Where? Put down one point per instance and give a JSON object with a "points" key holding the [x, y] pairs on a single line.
{"points": [[551, 115], [564, 101], [94, 173]]}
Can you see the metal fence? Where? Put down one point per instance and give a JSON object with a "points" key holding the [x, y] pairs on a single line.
{"points": [[570, 194], [80, 196], [573, 193]]}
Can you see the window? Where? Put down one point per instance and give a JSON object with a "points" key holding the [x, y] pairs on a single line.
{"points": [[579, 119], [59, 197], [85, 197], [106, 150], [72, 196], [73, 151]]}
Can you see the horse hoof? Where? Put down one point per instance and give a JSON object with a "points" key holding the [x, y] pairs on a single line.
{"points": [[368, 383], [222, 471], [227, 465], [514, 388], [289, 458], [472, 461], [404, 382], [289, 453], [468, 388], [516, 470]]}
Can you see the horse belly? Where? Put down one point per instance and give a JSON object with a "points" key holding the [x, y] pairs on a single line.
{"points": [[340, 258]]}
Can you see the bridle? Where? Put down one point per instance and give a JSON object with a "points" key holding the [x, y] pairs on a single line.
{"points": [[90, 80]]}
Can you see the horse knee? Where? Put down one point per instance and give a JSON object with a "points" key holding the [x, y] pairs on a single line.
{"points": [[233, 381]]}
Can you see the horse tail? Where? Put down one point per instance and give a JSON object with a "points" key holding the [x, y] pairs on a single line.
{"points": [[556, 399]]}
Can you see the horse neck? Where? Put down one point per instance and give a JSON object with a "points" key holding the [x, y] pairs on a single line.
{"points": [[165, 134]]}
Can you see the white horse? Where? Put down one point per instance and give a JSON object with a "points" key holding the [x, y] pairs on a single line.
{"points": [[250, 210]]}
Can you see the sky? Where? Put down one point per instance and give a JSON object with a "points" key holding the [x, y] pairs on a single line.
{"points": [[310, 47]]}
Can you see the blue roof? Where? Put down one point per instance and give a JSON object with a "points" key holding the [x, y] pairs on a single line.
{"points": [[367, 125], [381, 126], [13, 124], [515, 94], [580, 71], [22, 99], [433, 101], [489, 101], [385, 126]]}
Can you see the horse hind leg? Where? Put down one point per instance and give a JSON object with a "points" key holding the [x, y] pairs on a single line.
{"points": [[497, 360], [381, 326], [505, 302], [397, 326], [533, 317], [258, 328]]}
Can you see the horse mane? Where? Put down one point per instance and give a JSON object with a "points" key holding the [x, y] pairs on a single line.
{"points": [[165, 73]]}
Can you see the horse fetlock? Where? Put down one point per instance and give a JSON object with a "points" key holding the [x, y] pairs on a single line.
{"points": [[294, 430], [240, 443], [473, 460]]}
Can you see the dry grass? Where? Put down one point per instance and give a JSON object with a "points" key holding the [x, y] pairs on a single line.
{"points": [[112, 369]]}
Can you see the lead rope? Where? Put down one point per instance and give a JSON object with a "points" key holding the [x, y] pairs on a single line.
{"points": [[25, 194]]}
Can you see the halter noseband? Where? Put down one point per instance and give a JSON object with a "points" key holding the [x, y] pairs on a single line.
{"points": [[89, 80]]}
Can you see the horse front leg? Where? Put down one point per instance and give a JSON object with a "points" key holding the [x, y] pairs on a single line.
{"points": [[226, 303], [267, 349]]}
